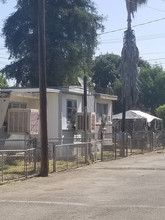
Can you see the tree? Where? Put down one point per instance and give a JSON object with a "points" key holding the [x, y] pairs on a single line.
{"points": [[106, 70], [3, 82], [132, 8], [130, 59], [160, 112], [71, 37], [152, 87]]}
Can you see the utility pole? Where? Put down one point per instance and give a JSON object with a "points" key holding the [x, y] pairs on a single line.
{"points": [[85, 118], [123, 115], [42, 88]]}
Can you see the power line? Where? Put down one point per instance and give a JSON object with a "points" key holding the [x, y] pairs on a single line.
{"points": [[140, 38], [121, 29], [4, 58], [152, 53], [162, 58]]}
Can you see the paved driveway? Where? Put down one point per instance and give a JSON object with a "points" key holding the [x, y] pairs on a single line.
{"points": [[128, 189]]}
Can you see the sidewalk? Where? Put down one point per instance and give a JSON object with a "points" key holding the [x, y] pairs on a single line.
{"points": [[127, 189]]}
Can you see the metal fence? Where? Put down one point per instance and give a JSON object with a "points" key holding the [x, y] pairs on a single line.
{"points": [[119, 145], [17, 164], [67, 156], [21, 158], [115, 146]]}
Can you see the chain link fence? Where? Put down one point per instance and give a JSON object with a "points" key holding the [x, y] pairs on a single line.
{"points": [[71, 155], [119, 145], [17, 164], [20, 159], [115, 145]]}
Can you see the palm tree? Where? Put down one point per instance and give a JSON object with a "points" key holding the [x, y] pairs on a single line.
{"points": [[132, 6], [130, 58], [129, 62]]}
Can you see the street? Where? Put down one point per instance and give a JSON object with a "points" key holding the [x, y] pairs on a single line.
{"points": [[132, 188]]}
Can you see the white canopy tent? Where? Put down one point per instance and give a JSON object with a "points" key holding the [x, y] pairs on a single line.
{"points": [[135, 115]]}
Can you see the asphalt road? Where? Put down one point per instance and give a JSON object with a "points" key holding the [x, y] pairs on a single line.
{"points": [[127, 189]]}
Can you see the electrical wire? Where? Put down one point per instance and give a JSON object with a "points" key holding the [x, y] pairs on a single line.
{"points": [[140, 38], [137, 25], [162, 58], [5, 58], [152, 53]]}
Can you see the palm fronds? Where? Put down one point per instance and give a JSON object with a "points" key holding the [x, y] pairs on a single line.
{"points": [[132, 5]]}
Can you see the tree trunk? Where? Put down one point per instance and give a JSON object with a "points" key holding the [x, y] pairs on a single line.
{"points": [[129, 15]]}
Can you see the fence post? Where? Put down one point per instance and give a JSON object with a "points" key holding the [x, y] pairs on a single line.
{"points": [[86, 149], [102, 147], [95, 150], [35, 159], [67, 152], [123, 145], [77, 154], [35, 154], [126, 144], [2, 167], [54, 158], [142, 148], [115, 144], [163, 136], [151, 141], [25, 163], [130, 142]]}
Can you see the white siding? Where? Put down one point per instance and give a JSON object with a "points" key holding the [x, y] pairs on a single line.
{"points": [[4, 102], [53, 115], [90, 103], [32, 103]]}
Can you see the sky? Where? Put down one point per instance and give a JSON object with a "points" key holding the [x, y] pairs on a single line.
{"points": [[148, 24]]}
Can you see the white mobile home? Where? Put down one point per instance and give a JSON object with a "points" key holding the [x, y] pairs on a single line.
{"points": [[19, 108]]}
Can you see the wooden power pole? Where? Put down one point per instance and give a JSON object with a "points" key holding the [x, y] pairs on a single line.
{"points": [[85, 118], [42, 87]]}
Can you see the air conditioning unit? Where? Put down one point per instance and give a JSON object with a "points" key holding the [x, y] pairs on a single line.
{"points": [[23, 121], [91, 122]]}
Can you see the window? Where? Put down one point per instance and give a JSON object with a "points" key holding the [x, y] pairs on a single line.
{"points": [[71, 110], [101, 111], [17, 105]]}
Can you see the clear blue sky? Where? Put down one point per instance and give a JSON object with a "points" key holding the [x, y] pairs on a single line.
{"points": [[150, 37]]}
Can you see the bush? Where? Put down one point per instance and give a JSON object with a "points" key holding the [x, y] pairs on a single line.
{"points": [[160, 112]]}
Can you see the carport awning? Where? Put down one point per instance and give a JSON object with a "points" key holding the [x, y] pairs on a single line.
{"points": [[135, 114]]}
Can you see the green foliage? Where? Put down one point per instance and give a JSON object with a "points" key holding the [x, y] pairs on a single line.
{"points": [[106, 76], [3, 82], [71, 37], [117, 88], [152, 87], [106, 70], [160, 112], [151, 81]]}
